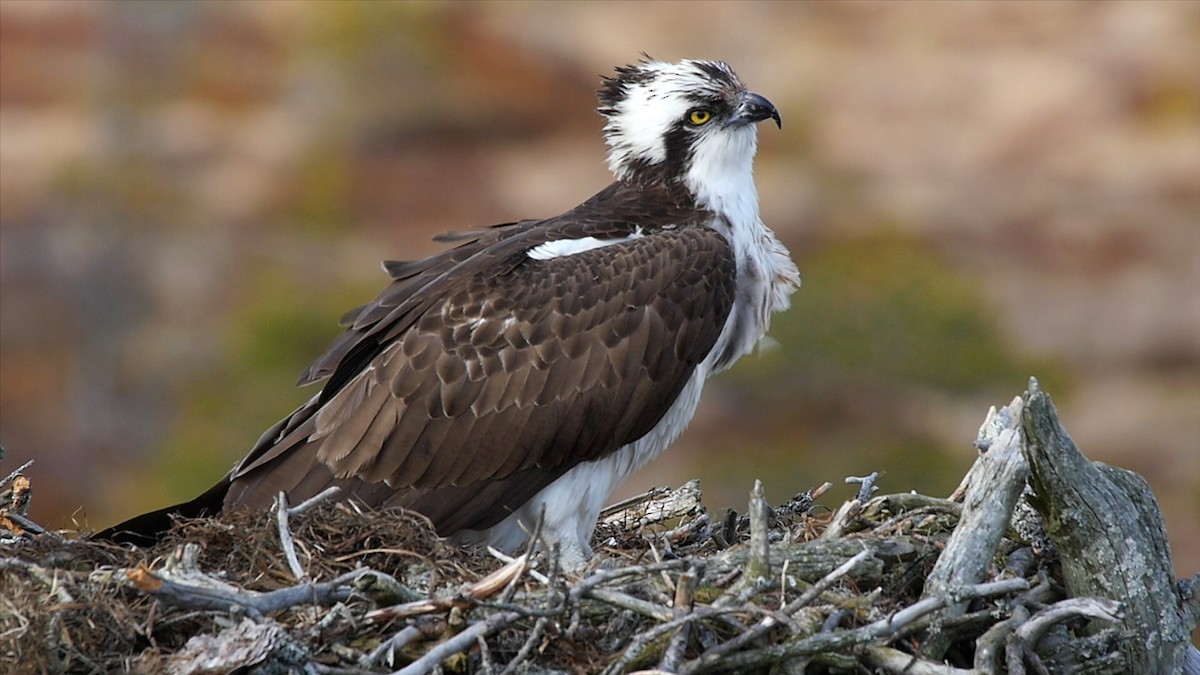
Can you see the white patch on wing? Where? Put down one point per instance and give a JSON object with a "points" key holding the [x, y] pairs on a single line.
{"points": [[563, 247], [720, 177]]}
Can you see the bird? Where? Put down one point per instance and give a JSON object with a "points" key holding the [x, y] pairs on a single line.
{"points": [[517, 378]]}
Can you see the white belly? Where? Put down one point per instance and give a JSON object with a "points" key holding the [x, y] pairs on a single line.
{"points": [[573, 502]]}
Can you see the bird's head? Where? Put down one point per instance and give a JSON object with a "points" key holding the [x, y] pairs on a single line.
{"points": [[691, 122]]}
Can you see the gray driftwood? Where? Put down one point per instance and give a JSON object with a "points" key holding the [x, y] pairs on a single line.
{"points": [[1108, 530], [993, 486]]}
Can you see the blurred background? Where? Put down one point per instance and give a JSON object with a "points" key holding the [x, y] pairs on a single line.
{"points": [[191, 194]]}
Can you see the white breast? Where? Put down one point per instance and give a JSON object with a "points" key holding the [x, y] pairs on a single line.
{"points": [[722, 180], [572, 504]]}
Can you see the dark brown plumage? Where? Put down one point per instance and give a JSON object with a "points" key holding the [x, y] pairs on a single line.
{"points": [[530, 368], [464, 423], [482, 365]]}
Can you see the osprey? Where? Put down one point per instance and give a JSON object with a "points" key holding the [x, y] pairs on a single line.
{"points": [[526, 372]]}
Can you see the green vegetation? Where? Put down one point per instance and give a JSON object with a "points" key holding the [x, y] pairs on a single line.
{"points": [[885, 308]]}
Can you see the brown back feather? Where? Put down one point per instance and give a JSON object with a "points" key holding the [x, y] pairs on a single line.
{"points": [[480, 375]]}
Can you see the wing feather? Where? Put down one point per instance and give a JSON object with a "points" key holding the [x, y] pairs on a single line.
{"points": [[481, 375]]}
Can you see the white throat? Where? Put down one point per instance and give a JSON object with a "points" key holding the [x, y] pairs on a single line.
{"points": [[721, 176]]}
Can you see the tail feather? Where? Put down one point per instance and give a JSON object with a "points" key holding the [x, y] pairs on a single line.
{"points": [[148, 528]]}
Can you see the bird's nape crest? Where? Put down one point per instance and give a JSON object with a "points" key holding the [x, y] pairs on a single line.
{"points": [[615, 89], [646, 104]]}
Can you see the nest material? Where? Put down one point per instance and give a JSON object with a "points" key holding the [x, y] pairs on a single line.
{"points": [[885, 584]]}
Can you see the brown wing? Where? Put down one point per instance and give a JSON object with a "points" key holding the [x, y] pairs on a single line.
{"points": [[496, 382]]}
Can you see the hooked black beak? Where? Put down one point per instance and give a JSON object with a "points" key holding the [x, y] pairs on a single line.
{"points": [[753, 108]]}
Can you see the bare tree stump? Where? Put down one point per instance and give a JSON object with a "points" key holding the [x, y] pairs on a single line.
{"points": [[1107, 527]]}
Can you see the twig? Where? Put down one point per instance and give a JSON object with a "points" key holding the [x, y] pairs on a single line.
{"points": [[842, 519], [585, 586], [991, 644], [181, 583], [24, 522], [327, 493], [422, 628], [42, 575], [808, 596], [434, 657], [758, 566], [1096, 608], [198, 597], [682, 533], [896, 661], [658, 505], [285, 538], [825, 582], [866, 486], [17, 472], [626, 601], [386, 651], [505, 558], [646, 637], [530, 550], [842, 640], [757, 575], [910, 613], [486, 666], [834, 620], [466, 597], [685, 603], [556, 606], [527, 647]]}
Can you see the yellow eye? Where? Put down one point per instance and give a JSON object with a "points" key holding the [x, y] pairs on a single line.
{"points": [[698, 117]]}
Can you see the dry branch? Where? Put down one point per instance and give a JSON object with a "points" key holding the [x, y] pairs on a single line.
{"points": [[995, 483], [181, 582], [883, 586]]}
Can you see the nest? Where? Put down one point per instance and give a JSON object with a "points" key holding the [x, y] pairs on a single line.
{"points": [[873, 586]]}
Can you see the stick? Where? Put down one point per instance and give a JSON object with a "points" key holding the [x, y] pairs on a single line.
{"points": [[285, 538], [843, 640], [758, 566], [434, 657], [866, 486], [685, 603], [808, 596], [257, 604], [19, 470], [990, 645], [321, 496], [998, 479], [896, 661], [1096, 608], [386, 651]]}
